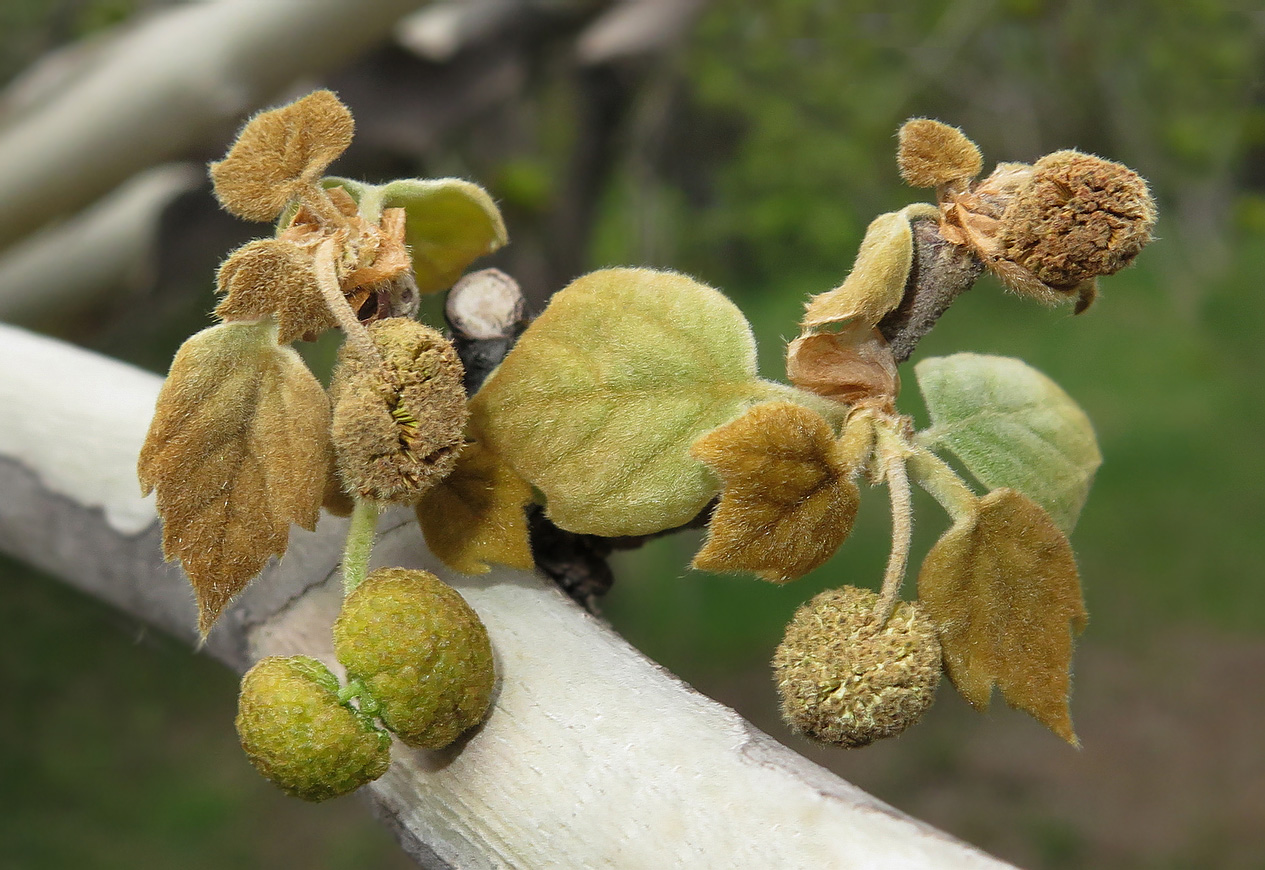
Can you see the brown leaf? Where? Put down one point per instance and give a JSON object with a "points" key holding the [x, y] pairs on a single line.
{"points": [[850, 365], [279, 152], [876, 284], [1002, 587], [237, 450], [270, 277], [789, 500], [931, 154], [476, 514]]}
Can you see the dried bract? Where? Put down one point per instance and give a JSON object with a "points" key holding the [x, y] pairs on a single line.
{"points": [[931, 154], [273, 278], [852, 365], [844, 680], [281, 152], [398, 422]]}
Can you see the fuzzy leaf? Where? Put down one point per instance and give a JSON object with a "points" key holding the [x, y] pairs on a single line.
{"points": [[1012, 427], [238, 450], [1002, 587], [788, 501], [449, 223], [931, 154], [599, 401], [273, 278], [476, 515], [279, 152], [876, 283]]}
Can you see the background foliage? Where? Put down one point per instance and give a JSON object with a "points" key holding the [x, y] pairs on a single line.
{"points": [[753, 157]]}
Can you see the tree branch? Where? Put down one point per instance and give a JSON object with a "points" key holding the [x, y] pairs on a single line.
{"points": [[592, 756]]}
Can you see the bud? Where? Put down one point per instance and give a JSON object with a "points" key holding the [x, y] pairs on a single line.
{"points": [[297, 734], [1079, 217], [398, 426], [844, 681], [421, 652]]}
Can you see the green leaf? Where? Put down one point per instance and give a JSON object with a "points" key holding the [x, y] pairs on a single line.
{"points": [[600, 400], [1012, 427], [449, 223]]}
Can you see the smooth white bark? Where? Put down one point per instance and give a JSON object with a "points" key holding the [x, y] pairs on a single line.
{"points": [[592, 756]]}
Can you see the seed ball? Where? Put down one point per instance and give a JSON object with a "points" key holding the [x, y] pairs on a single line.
{"points": [[422, 653], [1079, 217], [297, 734], [398, 426], [843, 682]]}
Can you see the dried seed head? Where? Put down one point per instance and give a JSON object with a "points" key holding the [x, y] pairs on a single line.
{"points": [[297, 734], [270, 277], [398, 426], [844, 682], [1077, 218], [421, 652], [280, 152], [930, 154]]}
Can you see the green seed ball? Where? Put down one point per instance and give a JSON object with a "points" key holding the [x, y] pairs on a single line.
{"points": [[298, 735], [844, 682], [421, 652]]}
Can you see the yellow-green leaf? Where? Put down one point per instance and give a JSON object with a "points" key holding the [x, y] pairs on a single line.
{"points": [[476, 515], [876, 284], [598, 403], [1012, 427], [449, 223], [238, 449], [1004, 592], [788, 501]]}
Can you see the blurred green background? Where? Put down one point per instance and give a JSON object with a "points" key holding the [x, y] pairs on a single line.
{"points": [[752, 155]]}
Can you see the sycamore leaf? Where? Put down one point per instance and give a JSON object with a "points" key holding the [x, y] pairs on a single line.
{"points": [[1012, 427], [788, 501], [273, 278], [930, 154], [599, 401], [448, 223], [1002, 587], [477, 514], [876, 284], [279, 152], [238, 449]]}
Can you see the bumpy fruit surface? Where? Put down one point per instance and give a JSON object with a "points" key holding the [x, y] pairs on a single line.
{"points": [[298, 735], [421, 653], [843, 681]]}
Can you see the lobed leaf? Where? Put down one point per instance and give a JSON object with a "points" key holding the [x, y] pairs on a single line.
{"points": [[476, 515], [279, 152], [273, 278], [599, 401], [448, 223], [238, 449], [1012, 427], [789, 500], [876, 284], [1003, 589]]}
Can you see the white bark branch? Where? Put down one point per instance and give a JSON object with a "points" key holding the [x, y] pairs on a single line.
{"points": [[592, 756], [164, 87]]}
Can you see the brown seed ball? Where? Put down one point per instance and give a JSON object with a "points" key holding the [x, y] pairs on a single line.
{"points": [[422, 653], [843, 683], [1079, 217], [297, 734], [398, 432]]}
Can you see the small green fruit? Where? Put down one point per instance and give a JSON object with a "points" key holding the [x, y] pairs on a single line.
{"points": [[297, 734], [421, 653], [843, 681]]}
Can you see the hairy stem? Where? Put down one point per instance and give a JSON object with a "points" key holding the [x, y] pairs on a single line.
{"points": [[935, 476], [327, 280], [892, 452], [360, 534]]}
